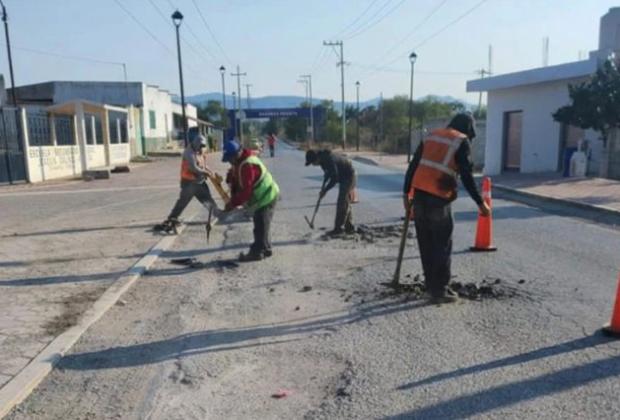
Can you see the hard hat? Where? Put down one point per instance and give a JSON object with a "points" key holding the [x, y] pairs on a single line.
{"points": [[311, 156], [231, 148], [199, 141]]}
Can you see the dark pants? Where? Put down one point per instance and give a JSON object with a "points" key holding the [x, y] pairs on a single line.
{"points": [[434, 226], [262, 229], [272, 150], [190, 190], [344, 217]]}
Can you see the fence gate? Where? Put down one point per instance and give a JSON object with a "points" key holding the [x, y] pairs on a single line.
{"points": [[12, 167]]}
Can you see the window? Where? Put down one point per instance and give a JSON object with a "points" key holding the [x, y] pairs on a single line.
{"points": [[39, 132], [152, 120], [64, 130], [88, 125], [98, 130]]}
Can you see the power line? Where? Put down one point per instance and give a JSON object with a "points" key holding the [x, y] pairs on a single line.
{"points": [[376, 22], [396, 70], [140, 24], [211, 32], [70, 57], [346, 28], [190, 30], [435, 34], [414, 30]]}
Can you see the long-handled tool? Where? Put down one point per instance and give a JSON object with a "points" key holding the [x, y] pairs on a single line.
{"points": [[208, 225], [217, 181], [316, 209], [403, 241]]}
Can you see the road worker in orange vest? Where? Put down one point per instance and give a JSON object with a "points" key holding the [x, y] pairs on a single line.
{"points": [[194, 172], [431, 180]]}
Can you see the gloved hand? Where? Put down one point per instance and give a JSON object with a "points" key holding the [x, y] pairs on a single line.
{"points": [[322, 194], [484, 208]]}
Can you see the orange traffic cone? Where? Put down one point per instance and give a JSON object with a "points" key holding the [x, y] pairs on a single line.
{"points": [[484, 231], [613, 328]]}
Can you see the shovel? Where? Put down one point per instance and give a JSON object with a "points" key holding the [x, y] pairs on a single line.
{"points": [[403, 242], [316, 209]]}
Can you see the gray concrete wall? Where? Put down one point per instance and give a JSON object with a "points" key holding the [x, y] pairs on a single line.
{"points": [[112, 93]]}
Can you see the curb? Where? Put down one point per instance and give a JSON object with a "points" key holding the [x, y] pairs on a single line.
{"points": [[596, 213], [364, 160], [22, 384]]}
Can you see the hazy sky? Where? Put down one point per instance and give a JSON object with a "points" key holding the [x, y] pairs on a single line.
{"points": [[275, 41]]}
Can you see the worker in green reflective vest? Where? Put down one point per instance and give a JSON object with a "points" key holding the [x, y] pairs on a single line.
{"points": [[254, 188]]}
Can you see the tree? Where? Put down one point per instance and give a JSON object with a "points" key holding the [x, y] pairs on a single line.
{"points": [[213, 112], [295, 128], [595, 104], [270, 127]]}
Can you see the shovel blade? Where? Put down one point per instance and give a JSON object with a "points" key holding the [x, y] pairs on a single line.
{"points": [[309, 222]]}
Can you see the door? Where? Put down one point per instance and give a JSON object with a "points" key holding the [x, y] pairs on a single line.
{"points": [[569, 141], [513, 127], [12, 166]]}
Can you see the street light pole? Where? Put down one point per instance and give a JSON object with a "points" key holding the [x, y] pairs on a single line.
{"points": [[223, 72], [357, 85], [309, 78], [177, 18], [412, 58]]}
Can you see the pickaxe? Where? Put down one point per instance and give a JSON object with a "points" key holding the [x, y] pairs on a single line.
{"points": [[316, 209], [208, 225]]}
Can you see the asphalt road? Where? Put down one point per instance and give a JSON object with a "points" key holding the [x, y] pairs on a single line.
{"points": [[217, 342]]}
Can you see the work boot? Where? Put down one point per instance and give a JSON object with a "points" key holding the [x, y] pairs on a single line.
{"points": [[349, 228], [251, 256], [448, 296], [335, 232], [267, 253]]}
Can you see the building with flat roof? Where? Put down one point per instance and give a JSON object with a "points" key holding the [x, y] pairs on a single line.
{"points": [[522, 135]]}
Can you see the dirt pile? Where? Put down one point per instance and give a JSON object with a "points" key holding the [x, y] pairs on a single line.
{"points": [[372, 234], [486, 289]]}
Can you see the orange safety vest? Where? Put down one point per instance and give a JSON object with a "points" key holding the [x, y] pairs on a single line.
{"points": [[436, 174], [186, 172]]}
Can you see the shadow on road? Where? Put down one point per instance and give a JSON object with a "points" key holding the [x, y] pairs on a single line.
{"points": [[518, 391], [504, 212], [225, 339], [75, 230], [204, 251], [44, 281]]}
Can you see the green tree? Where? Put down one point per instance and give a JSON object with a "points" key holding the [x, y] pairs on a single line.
{"points": [[270, 127], [214, 112], [295, 128], [595, 104]]}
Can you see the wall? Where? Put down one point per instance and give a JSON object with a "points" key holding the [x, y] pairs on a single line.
{"points": [[119, 154], [52, 162], [541, 134], [111, 93], [159, 101]]}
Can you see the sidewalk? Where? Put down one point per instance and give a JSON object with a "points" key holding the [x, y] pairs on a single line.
{"points": [[596, 195], [63, 244]]}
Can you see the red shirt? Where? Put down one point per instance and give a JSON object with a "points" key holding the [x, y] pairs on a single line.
{"points": [[243, 188], [271, 140]]}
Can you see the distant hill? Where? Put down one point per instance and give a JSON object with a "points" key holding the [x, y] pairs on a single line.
{"points": [[291, 101]]}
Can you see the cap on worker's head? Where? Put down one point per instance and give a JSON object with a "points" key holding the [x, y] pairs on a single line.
{"points": [[464, 123], [310, 157], [231, 148], [199, 141]]}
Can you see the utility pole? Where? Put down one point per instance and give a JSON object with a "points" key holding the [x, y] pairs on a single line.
{"points": [[238, 75], [249, 98], [305, 83], [482, 73], [309, 78], [357, 122], [341, 63]]}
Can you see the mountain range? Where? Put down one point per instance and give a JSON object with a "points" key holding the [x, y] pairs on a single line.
{"points": [[291, 101]]}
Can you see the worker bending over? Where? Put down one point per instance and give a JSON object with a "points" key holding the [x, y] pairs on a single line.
{"points": [[337, 169], [252, 187]]}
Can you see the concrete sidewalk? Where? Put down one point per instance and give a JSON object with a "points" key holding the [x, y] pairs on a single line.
{"points": [[63, 244], [597, 196]]}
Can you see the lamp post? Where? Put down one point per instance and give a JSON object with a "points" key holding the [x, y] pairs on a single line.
{"points": [[234, 95], [412, 57], [223, 72], [357, 86], [177, 18]]}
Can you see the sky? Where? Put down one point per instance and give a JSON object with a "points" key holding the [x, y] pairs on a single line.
{"points": [[276, 41]]}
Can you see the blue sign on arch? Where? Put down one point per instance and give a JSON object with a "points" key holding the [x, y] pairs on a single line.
{"points": [[274, 113]]}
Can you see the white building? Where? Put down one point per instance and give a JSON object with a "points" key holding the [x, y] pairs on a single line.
{"points": [[155, 119], [521, 133]]}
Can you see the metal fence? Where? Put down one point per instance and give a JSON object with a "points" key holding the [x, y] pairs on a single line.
{"points": [[65, 131], [12, 166], [39, 133]]}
